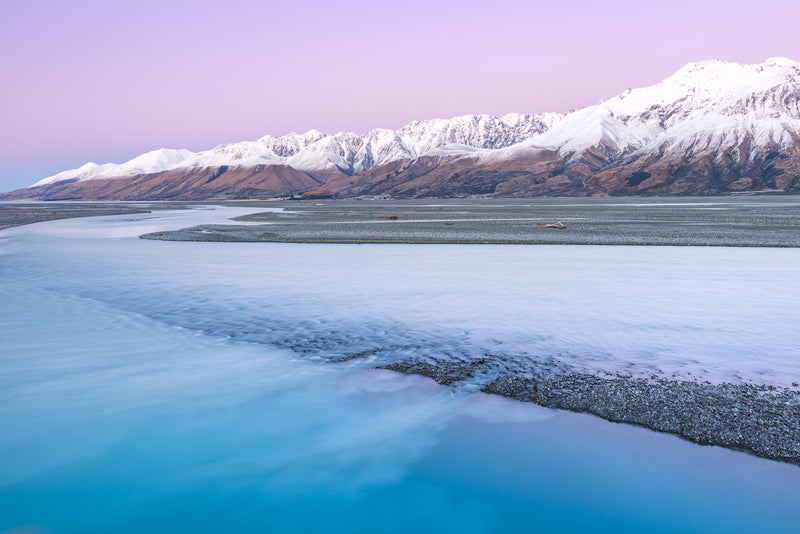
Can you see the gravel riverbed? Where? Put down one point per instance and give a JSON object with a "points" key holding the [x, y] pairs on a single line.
{"points": [[753, 221], [757, 418]]}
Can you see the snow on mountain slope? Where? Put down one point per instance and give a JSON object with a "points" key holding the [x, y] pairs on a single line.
{"points": [[149, 162], [705, 107], [351, 153], [316, 151]]}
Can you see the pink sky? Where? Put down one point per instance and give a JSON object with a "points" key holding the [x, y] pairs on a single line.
{"points": [[98, 81]]}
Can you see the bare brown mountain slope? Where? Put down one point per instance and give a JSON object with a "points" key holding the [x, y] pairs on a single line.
{"points": [[660, 173], [180, 184], [531, 173]]}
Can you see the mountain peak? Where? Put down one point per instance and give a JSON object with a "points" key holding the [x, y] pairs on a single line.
{"points": [[781, 62], [731, 69], [760, 101], [703, 85]]}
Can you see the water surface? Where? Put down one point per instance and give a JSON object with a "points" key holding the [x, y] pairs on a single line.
{"points": [[150, 386]]}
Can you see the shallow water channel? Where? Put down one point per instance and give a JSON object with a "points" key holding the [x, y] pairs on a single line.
{"points": [[151, 386]]}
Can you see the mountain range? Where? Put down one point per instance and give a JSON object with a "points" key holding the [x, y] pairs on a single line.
{"points": [[713, 127]]}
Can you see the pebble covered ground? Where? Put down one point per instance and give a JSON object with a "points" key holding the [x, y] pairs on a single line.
{"points": [[755, 221], [759, 419]]}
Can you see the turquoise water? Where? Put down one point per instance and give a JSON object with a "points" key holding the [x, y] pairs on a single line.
{"points": [[119, 416]]}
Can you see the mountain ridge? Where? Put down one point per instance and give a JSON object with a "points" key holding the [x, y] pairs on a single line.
{"points": [[712, 127]]}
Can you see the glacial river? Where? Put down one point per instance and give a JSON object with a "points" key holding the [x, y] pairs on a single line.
{"points": [[151, 386]]}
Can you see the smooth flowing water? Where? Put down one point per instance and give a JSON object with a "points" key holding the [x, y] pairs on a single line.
{"points": [[161, 387]]}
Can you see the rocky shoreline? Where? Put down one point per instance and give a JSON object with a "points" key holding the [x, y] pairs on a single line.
{"points": [[762, 420]]}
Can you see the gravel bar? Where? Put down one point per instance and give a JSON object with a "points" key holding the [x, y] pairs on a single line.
{"points": [[759, 419], [748, 221]]}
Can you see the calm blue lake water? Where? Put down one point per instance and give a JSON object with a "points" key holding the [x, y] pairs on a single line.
{"points": [[141, 389]]}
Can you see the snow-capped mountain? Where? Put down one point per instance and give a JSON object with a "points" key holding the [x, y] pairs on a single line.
{"points": [[316, 151], [712, 127], [708, 105], [147, 163]]}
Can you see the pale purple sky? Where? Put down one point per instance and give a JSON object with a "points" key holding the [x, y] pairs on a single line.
{"points": [[105, 81]]}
